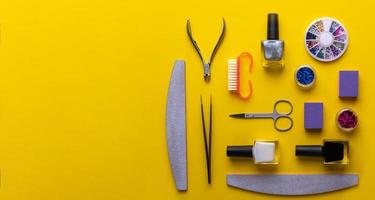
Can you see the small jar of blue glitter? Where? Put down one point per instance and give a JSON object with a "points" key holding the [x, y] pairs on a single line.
{"points": [[305, 76]]}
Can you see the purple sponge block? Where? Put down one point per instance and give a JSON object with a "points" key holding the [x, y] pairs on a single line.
{"points": [[313, 116], [348, 84]]}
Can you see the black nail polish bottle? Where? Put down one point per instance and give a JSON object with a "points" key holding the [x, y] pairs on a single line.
{"points": [[332, 151]]}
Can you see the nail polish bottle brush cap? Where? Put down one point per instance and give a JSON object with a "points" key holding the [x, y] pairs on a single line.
{"points": [[309, 150], [273, 27], [240, 151]]}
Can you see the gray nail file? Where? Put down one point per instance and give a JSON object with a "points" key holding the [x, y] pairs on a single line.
{"points": [[176, 125], [298, 184]]}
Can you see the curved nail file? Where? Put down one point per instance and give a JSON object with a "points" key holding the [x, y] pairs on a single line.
{"points": [[176, 125], [299, 184]]}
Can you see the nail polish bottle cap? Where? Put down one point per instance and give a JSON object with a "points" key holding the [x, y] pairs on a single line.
{"points": [[240, 151], [273, 27]]}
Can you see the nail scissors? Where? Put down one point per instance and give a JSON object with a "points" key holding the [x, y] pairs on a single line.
{"points": [[275, 115], [206, 65]]}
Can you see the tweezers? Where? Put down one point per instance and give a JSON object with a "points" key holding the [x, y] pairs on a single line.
{"points": [[206, 65], [207, 144]]}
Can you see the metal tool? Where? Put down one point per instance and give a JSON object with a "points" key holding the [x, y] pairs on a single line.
{"points": [[176, 125], [207, 142], [275, 115], [292, 184], [206, 65]]}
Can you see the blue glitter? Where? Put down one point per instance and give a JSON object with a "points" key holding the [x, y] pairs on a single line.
{"points": [[305, 76]]}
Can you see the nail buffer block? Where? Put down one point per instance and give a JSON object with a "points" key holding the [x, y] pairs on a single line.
{"points": [[176, 125], [348, 84], [289, 184], [313, 116]]}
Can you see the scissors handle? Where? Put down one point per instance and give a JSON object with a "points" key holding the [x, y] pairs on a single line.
{"points": [[282, 116], [279, 103], [278, 125]]}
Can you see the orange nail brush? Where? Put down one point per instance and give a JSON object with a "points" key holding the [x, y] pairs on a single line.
{"points": [[234, 69]]}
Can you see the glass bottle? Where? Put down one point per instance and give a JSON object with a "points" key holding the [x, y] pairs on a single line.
{"points": [[272, 48]]}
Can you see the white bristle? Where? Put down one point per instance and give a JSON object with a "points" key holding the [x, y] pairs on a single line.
{"points": [[232, 74]]}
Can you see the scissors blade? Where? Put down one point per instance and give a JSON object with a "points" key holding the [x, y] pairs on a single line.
{"points": [[239, 116]]}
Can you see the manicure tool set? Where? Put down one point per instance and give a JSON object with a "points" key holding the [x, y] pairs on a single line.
{"points": [[326, 40]]}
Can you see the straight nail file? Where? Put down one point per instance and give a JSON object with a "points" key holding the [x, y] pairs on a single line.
{"points": [[293, 184], [176, 125]]}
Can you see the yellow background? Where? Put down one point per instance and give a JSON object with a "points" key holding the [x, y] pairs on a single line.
{"points": [[83, 87]]}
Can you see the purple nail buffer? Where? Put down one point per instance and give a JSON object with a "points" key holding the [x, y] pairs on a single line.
{"points": [[348, 84], [313, 116]]}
